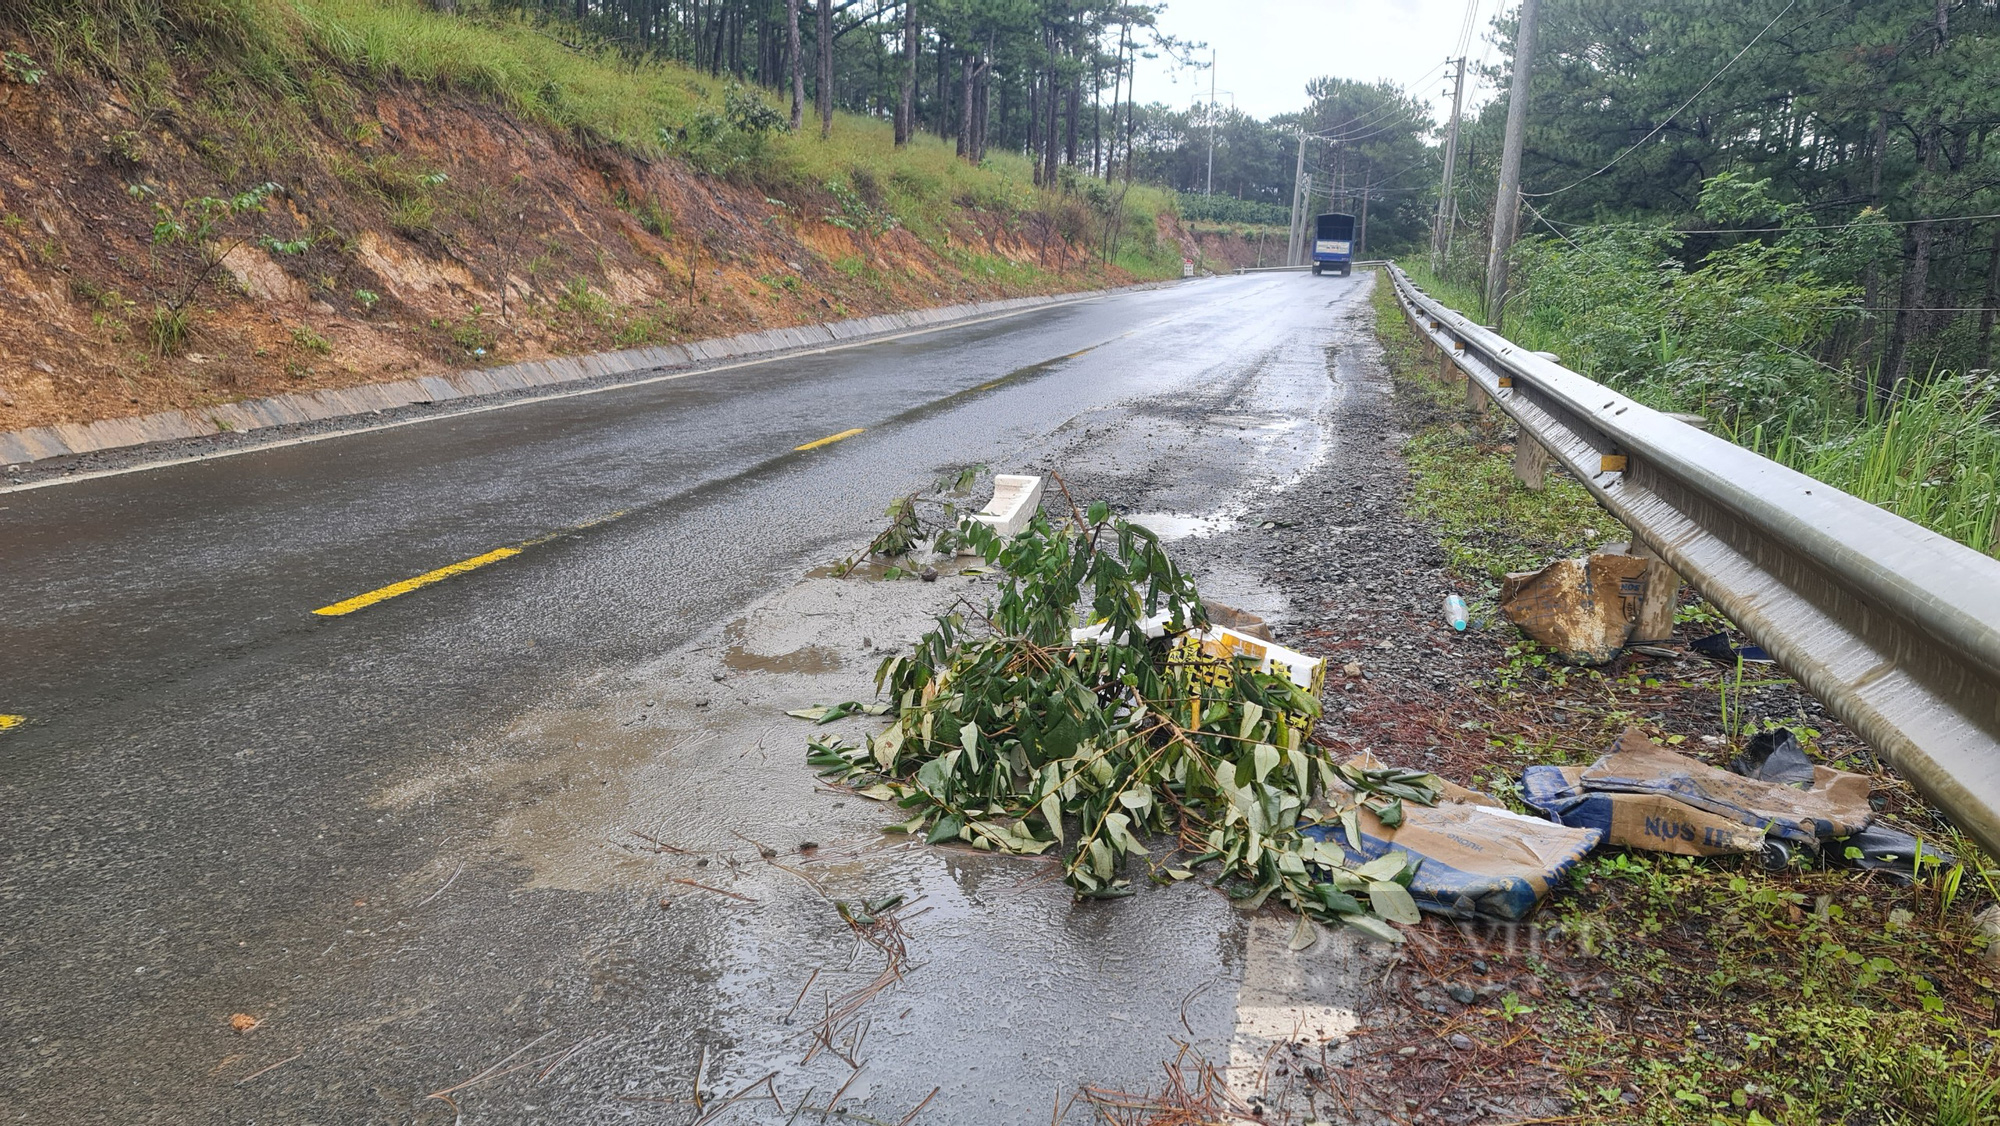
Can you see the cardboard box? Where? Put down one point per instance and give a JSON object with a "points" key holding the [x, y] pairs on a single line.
{"points": [[1207, 658]]}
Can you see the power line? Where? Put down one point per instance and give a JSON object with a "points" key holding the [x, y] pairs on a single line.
{"points": [[1790, 4], [1383, 112], [1773, 230], [1465, 29]]}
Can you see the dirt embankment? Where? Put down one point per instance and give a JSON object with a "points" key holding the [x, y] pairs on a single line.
{"points": [[1222, 249], [415, 231]]}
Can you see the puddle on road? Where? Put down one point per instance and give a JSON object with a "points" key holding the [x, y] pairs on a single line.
{"points": [[1171, 526], [810, 661]]}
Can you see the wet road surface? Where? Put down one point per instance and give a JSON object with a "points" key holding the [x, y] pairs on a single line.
{"points": [[514, 809]]}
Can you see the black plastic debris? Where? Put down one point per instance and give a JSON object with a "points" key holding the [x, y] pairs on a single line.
{"points": [[1716, 647], [1879, 848], [1775, 756]]}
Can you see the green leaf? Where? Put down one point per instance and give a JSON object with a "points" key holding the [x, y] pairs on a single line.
{"points": [[1263, 758], [1051, 810], [1118, 827], [1101, 861], [1138, 797], [886, 746], [934, 777], [1374, 928], [1252, 712], [1393, 902], [1337, 901], [1304, 935], [1385, 867], [946, 829]]}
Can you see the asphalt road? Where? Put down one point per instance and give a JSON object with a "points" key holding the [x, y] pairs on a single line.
{"points": [[364, 829]]}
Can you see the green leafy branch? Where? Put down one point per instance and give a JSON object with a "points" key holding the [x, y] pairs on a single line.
{"points": [[1082, 711]]}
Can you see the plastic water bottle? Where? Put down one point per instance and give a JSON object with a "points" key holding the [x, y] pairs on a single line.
{"points": [[1454, 612]]}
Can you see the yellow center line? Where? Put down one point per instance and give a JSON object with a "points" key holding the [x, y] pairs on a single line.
{"points": [[7, 721], [830, 439], [362, 601]]}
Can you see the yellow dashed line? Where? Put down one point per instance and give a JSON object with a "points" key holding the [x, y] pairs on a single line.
{"points": [[7, 721], [830, 439], [362, 601]]}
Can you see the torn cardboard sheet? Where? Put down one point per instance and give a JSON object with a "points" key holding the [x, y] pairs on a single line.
{"points": [[1642, 795], [1648, 821], [1835, 805], [1479, 860], [1584, 609]]}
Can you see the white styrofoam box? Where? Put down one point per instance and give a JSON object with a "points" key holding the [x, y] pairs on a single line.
{"points": [[1016, 498]]}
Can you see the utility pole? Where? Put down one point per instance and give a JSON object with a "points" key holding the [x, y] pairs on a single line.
{"points": [[1447, 215], [1507, 202], [1211, 122], [1303, 255], [1298, 189], [1361, 234]]}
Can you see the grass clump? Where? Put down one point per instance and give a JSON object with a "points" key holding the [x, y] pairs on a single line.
{"points": [[1757, 336], [1462, 476], [1777, 999]]}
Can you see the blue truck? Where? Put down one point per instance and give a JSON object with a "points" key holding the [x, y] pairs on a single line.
{"points": [[1333, 244]]}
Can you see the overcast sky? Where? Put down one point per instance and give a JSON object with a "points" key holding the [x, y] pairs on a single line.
{"points": [[1267, 50]]}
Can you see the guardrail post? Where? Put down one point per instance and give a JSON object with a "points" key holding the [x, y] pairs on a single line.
{"points": [[1476, 399], [1531, 462], [1663, 593]]}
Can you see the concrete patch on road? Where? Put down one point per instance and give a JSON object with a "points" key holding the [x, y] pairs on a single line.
{"points": [[1296, 1008]]}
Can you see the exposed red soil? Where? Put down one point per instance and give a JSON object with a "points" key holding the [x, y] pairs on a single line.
{"points": [[446, 234]]}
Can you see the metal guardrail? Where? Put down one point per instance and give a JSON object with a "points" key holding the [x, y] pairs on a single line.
{"points": [[1307, 266], [1895, 628]]}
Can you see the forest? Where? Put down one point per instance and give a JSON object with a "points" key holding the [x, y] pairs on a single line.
{"points": [[1055, 80], [1780, 215]]}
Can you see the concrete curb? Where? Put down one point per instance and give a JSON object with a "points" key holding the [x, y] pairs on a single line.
{"points": [[41, 443]]}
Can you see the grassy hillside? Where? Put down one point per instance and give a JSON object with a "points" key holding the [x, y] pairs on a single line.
{"points": [[207, 199], [1932, 456]]}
